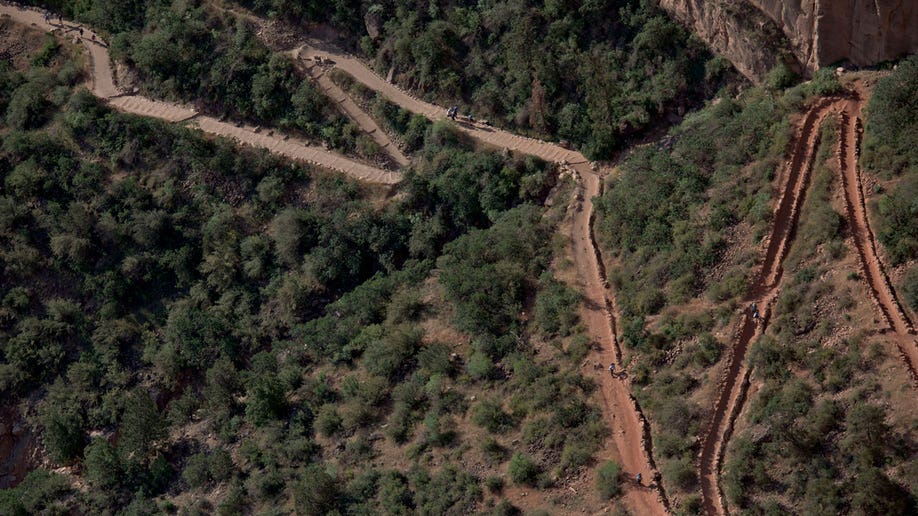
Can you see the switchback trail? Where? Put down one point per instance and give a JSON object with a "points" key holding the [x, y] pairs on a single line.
{"points": [[350, 108], [630, 430], [881, 289], [103, 86], [763, 291]]}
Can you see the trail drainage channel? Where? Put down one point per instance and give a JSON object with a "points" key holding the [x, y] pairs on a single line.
{"points": [[762, 292]]}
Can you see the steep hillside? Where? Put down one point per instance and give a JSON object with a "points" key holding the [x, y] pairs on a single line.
{"points": [[595, 74]]}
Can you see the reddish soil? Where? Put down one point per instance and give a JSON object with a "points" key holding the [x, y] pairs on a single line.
{"points": [[874, 273], [630, 430], [763, 292]]}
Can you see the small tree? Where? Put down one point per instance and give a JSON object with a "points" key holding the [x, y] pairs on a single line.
{"points": [[141, 426]]}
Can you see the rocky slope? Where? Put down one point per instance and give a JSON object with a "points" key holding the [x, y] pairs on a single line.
{"points": [[808, 34]]}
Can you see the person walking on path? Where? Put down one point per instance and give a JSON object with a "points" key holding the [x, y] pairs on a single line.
{"points": [[612, 369]]}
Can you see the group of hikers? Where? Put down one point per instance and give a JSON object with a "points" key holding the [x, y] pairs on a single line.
{"points": [[453, 113], [60, 21]]}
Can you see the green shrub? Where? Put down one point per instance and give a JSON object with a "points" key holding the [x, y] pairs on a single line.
{"points": [[494, 484], [490, 415], [196, 472], [480, 366], [556, 306], [607, 480], [891, 140], [522, 469], [392, 356], [681, 473], [328, 422], [103, 466], [40, 492], [781, 77], [317, 493]]}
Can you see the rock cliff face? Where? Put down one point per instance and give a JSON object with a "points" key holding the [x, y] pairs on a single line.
{"points": [[807, 34]]}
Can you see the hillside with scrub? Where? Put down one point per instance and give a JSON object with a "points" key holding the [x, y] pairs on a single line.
{"points": [[250, 263]]}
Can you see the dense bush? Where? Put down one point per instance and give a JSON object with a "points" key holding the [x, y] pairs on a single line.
{"points": [[162, 287], [891, 133], [607, 480], [522, 469]]}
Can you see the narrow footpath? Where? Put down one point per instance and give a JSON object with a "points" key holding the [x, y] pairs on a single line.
{"points": [[849, 143], [103, 86], [762, 292]]}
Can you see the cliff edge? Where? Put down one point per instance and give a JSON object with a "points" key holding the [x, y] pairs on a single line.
{"points": [[806, 34]]}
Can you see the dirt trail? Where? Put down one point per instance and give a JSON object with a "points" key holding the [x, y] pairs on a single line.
{"points": [[350, 108], [496, 137], [103, 86], [763, 292], [630, 431], [850, 131]]}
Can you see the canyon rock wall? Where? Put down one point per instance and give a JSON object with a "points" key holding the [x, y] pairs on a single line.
{"points": [[806, 34]]}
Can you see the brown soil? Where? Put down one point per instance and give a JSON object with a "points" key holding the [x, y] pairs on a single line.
{"points": [[763, 292], [865, 242], [18, 43], [104, 86]]}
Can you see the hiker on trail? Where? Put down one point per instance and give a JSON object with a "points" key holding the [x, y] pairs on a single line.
{"points": [[755, 311], [81, 32], [612, 369], [639, 478]]}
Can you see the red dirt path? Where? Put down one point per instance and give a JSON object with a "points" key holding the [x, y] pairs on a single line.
{"points": [[762, 292]]}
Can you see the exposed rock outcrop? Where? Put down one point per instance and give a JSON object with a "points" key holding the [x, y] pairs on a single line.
{"points": [[756, 34]]}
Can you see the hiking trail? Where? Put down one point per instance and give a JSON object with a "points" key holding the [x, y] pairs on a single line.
{"points": [[629, 428], [848, 152], [763, 292], [103, 86]]}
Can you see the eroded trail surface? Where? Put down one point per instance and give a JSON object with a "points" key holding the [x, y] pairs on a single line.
{"points": [[630, 431], [850, 130], [103, 86], [762, 292]]}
